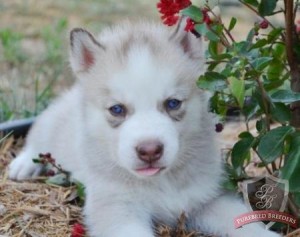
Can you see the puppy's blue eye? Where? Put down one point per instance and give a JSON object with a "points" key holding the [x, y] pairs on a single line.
{"points": [[173, 104], [118, 110]]}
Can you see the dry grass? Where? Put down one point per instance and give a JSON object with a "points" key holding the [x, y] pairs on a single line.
{"points": [[34, 208]]}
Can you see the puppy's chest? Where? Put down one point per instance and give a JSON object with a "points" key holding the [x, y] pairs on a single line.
{"points": [[168, 203]]}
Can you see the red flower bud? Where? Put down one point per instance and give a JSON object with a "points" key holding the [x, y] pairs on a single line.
{"points": [[50, 173], [219, 127], [264, 24], [77, 230]]}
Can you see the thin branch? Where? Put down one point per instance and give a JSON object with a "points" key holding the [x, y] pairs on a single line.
{"points": [[280, 161], [289, 25], [274, 166], [224, 27], [266, 165], [296, 9], [265, 102], [257, 13]]}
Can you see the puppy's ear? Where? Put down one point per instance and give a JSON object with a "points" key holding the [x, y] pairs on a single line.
{"points": [[84, 48], [191, 43]]}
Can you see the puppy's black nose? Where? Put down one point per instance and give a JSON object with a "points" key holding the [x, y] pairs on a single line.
{"points": [[150, 151]]}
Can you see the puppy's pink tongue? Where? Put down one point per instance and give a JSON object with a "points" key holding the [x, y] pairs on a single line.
{"points": [[148, 171]]}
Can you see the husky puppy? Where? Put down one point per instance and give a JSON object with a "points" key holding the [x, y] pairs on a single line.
{"points": [[136, 131]]}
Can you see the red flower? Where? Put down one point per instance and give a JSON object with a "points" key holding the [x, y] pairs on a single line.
{"points": [[183, 3], [206, 17], [170, 9], [190, 25], [170, 20], [77, 230]]}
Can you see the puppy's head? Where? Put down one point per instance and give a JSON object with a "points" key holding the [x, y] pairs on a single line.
{"points": [[140, 98]]}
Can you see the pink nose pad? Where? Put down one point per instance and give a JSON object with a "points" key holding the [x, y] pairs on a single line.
{"points": [[150, 151]]}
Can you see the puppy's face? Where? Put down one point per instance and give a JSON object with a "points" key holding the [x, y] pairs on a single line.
{"points": [[141, 95]]}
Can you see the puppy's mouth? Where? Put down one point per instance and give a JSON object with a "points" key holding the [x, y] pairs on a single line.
{"points": [[149, 171]]}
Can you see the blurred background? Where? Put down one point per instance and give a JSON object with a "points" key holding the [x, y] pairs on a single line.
{"points": [[34, 38]]}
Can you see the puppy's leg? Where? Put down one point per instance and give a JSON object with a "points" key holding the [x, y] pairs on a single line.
{"points": [[22, 167], [116, 218], [218, 218]]}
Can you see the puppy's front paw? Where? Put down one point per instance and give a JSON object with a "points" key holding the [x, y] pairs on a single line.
{"points": [[23, 167]]}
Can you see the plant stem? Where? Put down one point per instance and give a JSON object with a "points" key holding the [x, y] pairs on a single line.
{"points": [[274, 166], [292, 42], [296, 9], [265, 100], [289, 18], [224, 27], [257, 13], [266, 165], [280, 161]]}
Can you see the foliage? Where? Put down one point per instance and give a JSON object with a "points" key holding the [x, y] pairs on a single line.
{"points": [[42, 72], [59, 176], [255, 75], [10, 41]]}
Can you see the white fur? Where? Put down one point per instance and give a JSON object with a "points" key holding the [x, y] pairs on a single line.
{"points": [[140, 66]]}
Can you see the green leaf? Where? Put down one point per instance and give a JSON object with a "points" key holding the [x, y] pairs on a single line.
{"points": [[261, 63], [271, 144], [280, 112], [217, 105], [212, 65], [202, 29], [296, 198], [266, 7], [259, 44], [285, 96], [250, 110], [240, 151], [274, 34], [36, 160], [193, 12], [80, 190], [215, 54], [60, 179], [245, 135], [232, 23], [213, 49], [253, 3], [212, 81], [230, 185], [279, 51], [275, 69], [238, 89], [261, 125], [251, 35], [291, 169], [271, 85]]}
